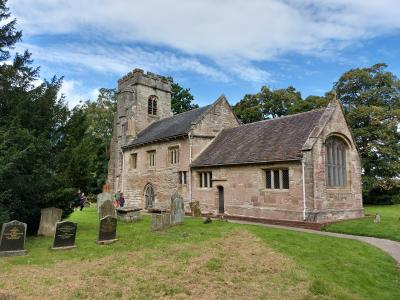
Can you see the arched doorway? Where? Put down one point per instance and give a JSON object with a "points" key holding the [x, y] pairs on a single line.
{"points": [[149, 196], [221, 203]]}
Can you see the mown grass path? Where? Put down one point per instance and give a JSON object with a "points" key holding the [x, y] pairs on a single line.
{"points": [[215, 261]]}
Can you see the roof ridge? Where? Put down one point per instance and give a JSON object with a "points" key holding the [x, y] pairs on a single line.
{"points": [[173, 116], [280, 118]]}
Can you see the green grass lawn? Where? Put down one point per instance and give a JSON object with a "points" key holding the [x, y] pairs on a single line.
{"points": [[196, 260], [389, 227]]}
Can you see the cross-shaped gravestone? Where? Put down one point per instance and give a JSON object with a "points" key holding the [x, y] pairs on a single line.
{"points": [[12, 239]]}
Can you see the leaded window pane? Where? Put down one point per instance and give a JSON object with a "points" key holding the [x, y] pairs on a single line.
{"points": [[276, 179]]}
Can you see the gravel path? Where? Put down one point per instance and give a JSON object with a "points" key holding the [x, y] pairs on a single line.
{"points": [[390, 247]]}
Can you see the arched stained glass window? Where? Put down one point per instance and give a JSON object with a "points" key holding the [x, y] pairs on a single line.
{"points": [[335, 162]]}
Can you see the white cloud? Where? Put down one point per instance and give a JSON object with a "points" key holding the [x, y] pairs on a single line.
{"points": [[252, 30], [72, 90], [102, 58]]}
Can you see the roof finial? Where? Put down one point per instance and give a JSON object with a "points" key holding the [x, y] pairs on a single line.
{"points": [[334, 99]]}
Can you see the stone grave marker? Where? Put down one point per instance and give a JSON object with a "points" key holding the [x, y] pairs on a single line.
{"points": [[103, 197], [177, 209], [156, 222], [64, 236], [377, 219], [107, 230], [128, 214], [12, 239], [48, 220], [195, 207], [166, 220], [107, 209]]}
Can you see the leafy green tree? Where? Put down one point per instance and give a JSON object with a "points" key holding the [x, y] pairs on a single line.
{"points": [[181, 98], [87, 140], [310, 103], [32, 118], [249, 109], [267, 104], [278, 103], [371, 100]]}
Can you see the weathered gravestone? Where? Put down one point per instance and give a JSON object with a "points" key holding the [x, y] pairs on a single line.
{"points": [[160, 221], [166, 220], [195, 207], [177, 209], [12, 239], [156, 222], [64, 236], [48, 219], [107, 230], [103, 197], [377, 219], [107, 209]]}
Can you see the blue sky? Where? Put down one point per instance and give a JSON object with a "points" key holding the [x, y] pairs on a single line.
{"points": [[212, 47]]}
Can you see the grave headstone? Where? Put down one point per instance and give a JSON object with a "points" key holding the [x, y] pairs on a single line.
{"points": [[12, 239], [195, 207], [107, 230], [103, 197], [107, 209], [48, 219], [377, 219], [156, 222], [166, 220], [177, 209], [64, 236]]}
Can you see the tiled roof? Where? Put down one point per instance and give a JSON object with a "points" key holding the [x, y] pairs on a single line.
{"points": [[175, 126], [277, 139]]}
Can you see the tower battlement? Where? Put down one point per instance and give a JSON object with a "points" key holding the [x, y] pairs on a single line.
{"points": [[138, 76]]}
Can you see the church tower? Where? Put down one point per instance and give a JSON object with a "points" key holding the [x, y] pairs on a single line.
{"points": [[142, 98]]}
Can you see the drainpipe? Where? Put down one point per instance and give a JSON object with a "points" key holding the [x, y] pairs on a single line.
{"points": [[190, 168], [122, 172], [304, 189]]}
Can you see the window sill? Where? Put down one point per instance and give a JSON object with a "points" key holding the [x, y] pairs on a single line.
{"points": [[276, 190], [339, 189]]}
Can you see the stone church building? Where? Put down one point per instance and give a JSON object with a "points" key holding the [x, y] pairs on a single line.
{"points": [[302, 167]]}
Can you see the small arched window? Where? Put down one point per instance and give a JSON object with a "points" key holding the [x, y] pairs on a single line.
{"points": [[152, 105], [335, 162]]}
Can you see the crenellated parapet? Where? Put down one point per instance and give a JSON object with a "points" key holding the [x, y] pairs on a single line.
{"points": [[139, 77]]}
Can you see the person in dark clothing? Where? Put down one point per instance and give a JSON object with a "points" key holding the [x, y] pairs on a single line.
{"points": [[121, 200], [77, 200], [82, 201]]}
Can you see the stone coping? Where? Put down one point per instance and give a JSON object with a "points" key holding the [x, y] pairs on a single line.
{"points": [[13, 253], [106, 242], [128, 209]]}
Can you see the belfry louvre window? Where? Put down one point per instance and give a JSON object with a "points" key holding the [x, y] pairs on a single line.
{"points": [[152, 105], [182, 177], [205, 179], [173, 154], [151, 158], [277, 179], [133, 161], [335, 162]]}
